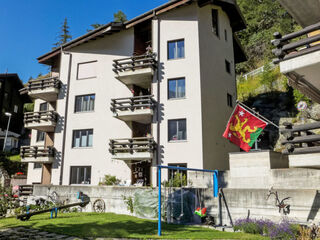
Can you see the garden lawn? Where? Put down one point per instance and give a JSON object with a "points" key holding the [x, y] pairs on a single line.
{"points": [[117, 226]]}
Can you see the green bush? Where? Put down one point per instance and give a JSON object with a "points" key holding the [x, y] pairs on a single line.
{"points": [[110, 180], [28, 107], [176, 180]]}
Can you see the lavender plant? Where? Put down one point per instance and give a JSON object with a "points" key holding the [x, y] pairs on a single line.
{"points": [[283, 230]]}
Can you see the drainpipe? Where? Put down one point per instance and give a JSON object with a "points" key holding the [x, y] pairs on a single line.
{"points": [[158, 94], [65, 116]]}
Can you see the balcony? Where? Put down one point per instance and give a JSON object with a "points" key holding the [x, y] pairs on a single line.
{"points": [[44, 121], [132, 149], [37, 154], [136, 70], [299, 56], [302, 143], [46, 89], [138, 109]]}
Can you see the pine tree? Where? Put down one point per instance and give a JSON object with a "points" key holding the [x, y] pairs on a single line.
{"points": [[64, 35], [94, 26], [119, 17]]}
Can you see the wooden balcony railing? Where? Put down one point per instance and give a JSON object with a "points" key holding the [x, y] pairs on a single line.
{"points": [[36, 117], [132, 145], [296, 44], [132, 103], [135, 62], [36, 152], [39, 84], [299, 138]]}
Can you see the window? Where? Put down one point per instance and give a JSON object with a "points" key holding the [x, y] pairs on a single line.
{"points": [[82, 138], [37, 165], [228, 66], [229, 100], [85, 103], [80, 175], [172, 172], [87, 70], [15, 108], [215, 22], [40, 136], [176, 88], [225, 35], [43, 107], [176, 49], [177, 129]]}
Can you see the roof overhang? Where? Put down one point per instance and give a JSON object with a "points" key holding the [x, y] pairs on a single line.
{"points": [[13, 76], [238, 51], [231, 7], [305, 12], [92, 35]]}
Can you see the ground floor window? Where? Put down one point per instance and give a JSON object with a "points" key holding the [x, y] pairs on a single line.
{"points": [[37, 165], [173, 172], [80, 175]]}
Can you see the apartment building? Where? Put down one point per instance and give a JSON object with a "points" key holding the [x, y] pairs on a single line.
{"points": [[11, 102], [123, 98]]}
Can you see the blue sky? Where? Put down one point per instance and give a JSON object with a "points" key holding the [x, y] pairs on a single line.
{"points": [[30, 27]]}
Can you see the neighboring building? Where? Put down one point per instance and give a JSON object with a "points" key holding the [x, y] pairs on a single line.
{"points": [[298, 55], [123, 98], [12, 102]]}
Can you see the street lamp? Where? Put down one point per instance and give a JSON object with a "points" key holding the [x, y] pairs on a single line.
{"points": [[5, 138]]}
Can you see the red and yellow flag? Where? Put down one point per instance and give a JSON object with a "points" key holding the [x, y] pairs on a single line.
{"points": [[244, 128]]}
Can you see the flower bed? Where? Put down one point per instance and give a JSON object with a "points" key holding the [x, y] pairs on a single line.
{"points": [[283, 230]]}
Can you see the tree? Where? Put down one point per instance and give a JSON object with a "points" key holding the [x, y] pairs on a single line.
{"points": [[64, 35], [263, 18], [119, 17], [94, 26]]}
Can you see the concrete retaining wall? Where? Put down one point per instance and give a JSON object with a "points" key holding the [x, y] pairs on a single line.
{"points": [[304, 207]]}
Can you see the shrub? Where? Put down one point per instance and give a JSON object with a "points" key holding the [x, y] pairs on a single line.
{"points": [[176, 181], [110, 180], [284, 230]]}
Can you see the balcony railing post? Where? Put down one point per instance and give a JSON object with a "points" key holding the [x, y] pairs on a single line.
{"points": [[131, 145], [132, 104], [35, 151]]}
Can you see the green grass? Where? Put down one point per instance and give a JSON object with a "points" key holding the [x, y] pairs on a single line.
{"points": [[117, 226]]}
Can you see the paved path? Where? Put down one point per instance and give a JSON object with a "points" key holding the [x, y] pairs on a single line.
{"points": [[21, 233]]}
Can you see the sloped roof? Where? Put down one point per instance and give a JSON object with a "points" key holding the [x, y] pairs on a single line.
{"points": [[229, 6]]}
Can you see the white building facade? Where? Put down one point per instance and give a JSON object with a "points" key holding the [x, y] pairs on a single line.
{"points": [[124, 98]]}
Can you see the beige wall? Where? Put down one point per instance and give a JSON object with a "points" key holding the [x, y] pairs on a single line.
{"points": [[180, 24], [204, 107], [215, 84], [104, 125]]}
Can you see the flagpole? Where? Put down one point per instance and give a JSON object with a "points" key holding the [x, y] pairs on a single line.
{"points": [[254, 112]]}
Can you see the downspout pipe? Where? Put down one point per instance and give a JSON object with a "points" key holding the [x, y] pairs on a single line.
{"points": [[158, 92], [65, 117]]}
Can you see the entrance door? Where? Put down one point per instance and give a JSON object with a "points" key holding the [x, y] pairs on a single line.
{"points": [[46, 173], [141, 173]]}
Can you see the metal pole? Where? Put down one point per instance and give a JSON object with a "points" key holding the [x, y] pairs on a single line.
{"points": [[159, 201], [5, 138]]}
